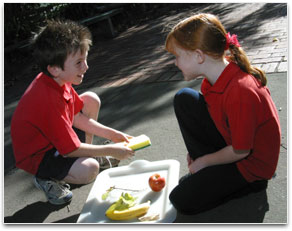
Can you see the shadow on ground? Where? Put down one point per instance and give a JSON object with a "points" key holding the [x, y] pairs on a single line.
{"points": [[248, 209], [33, 213]]}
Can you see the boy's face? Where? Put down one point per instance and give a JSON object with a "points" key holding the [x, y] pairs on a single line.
{"points": [[75, 67]]}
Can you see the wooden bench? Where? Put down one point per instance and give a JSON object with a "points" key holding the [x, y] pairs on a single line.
{"points": [[87, 21], [103, 16], [20, 45]]}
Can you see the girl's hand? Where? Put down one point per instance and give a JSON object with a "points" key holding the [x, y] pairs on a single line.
{"points": [[189, 159], [196, 165], [120, 137], [119, 151]]}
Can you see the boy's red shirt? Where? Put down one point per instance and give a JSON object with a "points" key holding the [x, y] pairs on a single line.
{"points": [[245, 115], [42, 120]]}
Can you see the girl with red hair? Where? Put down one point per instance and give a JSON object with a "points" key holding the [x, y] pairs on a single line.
{"points": [[231, 128]]}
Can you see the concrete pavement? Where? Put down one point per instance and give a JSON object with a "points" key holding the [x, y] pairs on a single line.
{"points": [[136, 81]]}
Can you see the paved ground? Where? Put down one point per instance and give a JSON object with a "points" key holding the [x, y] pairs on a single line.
{"points": [[136, 81]]}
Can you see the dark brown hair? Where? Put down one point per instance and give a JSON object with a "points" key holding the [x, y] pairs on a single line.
{"points": [[57, 40], [205, 32]]}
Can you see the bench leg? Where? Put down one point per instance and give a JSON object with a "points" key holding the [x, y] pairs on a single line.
{"points": [[111, 27]]}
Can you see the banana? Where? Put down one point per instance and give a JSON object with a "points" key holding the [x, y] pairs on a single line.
{"points": [[129, 213]]}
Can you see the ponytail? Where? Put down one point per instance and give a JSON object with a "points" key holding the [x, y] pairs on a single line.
{"points": [[239, 57], [206, 32]]}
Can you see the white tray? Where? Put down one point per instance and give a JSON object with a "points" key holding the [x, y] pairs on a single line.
{"points": [[134, 176]]}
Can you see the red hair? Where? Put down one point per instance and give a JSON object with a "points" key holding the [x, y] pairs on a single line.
{"points": [[205, 32]]}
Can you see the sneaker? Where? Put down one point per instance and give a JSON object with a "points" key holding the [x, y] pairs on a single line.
{"points": [[56, 192], [107, 162]]}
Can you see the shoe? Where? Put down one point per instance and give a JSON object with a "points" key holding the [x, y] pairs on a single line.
{"points": [[57, 193], [107, 162]]}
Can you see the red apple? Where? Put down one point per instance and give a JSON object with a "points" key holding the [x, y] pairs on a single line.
{"points": [[156, 182]]}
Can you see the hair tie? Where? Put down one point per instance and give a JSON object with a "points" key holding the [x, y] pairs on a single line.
{"points": [[231, 40]]}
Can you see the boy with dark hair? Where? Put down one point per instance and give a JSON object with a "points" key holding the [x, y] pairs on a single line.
{"points": [[44, 141]]}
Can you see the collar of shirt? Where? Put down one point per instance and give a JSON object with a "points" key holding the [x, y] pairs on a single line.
{"points": [[222, 82], [65, 90]]}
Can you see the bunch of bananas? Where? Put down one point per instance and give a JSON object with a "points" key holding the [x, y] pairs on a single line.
{"points": [[126, 208]]}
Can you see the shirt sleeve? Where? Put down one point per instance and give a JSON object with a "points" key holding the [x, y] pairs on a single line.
{"points": [[78, 102], [241, 109]]}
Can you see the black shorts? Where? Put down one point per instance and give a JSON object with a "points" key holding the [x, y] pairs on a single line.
{"points": [[56, 166]]}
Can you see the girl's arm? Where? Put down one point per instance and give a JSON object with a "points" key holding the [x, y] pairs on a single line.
{"points": [[224, 156], [91, 126]]}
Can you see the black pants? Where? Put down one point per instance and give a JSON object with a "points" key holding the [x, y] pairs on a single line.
{"points": [[55, 166], [213, 185]]}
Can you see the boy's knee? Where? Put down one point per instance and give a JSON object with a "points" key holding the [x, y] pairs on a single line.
{"points": [[91, 99], [92, 170]]}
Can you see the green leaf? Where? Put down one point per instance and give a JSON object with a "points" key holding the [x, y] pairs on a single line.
{"points": [[105, 195], [125, 201]]}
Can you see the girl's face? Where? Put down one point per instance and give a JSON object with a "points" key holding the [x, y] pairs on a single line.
{"points": [[187, 62], [75, 67]]}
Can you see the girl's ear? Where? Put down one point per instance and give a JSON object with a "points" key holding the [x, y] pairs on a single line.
{"points": [[200, 56], [54, 70]]}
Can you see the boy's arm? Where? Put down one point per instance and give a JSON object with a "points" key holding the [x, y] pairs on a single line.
{"points": [[118, 151], [91, 126], [223, 156]]}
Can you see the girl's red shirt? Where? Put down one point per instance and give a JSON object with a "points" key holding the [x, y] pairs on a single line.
{"points": [[246, 116], [42, 120]]}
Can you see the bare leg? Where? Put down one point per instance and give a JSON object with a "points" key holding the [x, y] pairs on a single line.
{"points": [[85, 169], [91, 109]]}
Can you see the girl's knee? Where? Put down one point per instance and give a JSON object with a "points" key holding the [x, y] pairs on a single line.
{"points": [[186, 93], [181, 201], [178, 203], [186, 96]]}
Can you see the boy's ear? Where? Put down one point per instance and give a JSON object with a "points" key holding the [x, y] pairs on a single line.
{"points": [[200, 56], [54, 70]]}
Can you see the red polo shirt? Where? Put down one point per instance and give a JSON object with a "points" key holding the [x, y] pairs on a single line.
{"points": [[42, 120], [246, 116]]}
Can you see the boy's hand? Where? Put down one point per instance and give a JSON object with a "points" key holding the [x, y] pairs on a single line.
{"points": [[120, 137], [120, 151]]}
